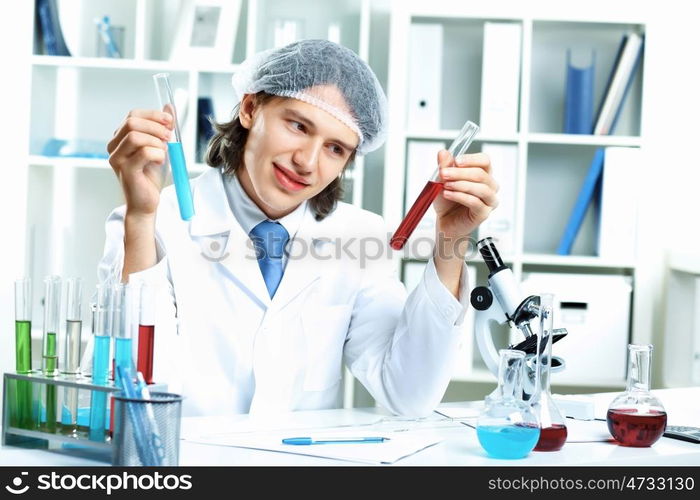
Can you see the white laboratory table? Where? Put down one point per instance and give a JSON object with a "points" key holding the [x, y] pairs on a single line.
{"points": [[459, 445]]}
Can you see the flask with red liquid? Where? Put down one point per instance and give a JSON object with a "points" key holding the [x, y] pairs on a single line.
{"points": [[636, 417], [432, 189], [552, 424]]}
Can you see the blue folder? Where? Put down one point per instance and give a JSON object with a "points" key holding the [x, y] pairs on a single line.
{"points": [[588, 189], [578, 107]]}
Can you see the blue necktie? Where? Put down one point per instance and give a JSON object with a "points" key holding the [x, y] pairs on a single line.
{"points": [[270, 239]]}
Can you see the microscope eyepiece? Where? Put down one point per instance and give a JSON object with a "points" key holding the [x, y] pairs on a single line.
{"points": [[488, 251]]}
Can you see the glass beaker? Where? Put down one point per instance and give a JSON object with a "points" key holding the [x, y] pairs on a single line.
{"points": [[636, 417], [552, 424], [507, 427]]}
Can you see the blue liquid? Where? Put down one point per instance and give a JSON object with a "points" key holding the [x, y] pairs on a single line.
{"points": [[508, 441], [181, 180], [98, 402], [122, 356]]}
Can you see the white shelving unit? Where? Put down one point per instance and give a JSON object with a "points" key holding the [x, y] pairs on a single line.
{"points": [[85, 97], [551, 165]]}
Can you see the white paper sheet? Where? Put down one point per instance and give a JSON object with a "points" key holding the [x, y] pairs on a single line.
{"points": [[587, 431], [400, 444]]}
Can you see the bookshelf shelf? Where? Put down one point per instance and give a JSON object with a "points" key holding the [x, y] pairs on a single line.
{"points": [[585, 140], [126, 64], [449, 135], [575, 261], [49, 161]]}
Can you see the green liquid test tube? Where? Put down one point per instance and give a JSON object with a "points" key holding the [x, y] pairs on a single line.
{"points": [[22, 416], [49, 355]]}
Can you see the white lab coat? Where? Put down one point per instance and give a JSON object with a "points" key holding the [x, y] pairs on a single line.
{"points": [[228, 348]]}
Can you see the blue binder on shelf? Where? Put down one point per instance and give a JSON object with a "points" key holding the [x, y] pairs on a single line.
{"points": [[578, 106], [589, 188], [50, 35]]}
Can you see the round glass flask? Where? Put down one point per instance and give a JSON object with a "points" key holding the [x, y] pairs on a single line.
{"points": [[507, 427], [636, 417]]}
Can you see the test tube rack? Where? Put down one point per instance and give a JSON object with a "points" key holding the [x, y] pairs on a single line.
{"points": [[28, 427]]}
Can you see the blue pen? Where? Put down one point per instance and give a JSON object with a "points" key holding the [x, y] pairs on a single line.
{"points": [[156, 441], [335, 440]]}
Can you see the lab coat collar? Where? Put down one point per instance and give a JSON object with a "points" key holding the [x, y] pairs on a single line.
{"points": [[213, 216]]}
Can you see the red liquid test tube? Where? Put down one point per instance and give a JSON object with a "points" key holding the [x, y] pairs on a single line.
{"points": [[431, 190], [144, 360]]}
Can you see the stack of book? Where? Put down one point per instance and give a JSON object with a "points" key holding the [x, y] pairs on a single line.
{"points": [[621, 77]]}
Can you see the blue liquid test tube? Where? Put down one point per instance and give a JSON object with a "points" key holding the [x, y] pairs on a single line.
{"points": [[122, 329], [176, 156], [100, 361]]}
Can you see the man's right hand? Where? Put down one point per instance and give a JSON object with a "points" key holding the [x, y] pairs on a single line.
{"points": [[137, 154]]}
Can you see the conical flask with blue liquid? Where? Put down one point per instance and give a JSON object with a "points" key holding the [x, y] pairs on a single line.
{"points": [[507, 427]]}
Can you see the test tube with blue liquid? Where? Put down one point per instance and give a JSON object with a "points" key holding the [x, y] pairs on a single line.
{"points": [[70, 362], [123, 315], [127, 324], [176, 156], [100, 361]]}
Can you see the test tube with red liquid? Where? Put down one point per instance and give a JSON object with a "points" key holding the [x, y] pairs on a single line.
{"points": [[431, 190], [144, 361]]}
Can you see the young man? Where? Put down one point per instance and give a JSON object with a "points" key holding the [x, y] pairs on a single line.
{"points": [[269, 286]]}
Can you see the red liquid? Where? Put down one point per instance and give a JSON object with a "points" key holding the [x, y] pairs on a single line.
{"points": [[144, 362], [111, 417], [415, 214], [630, 428], [552, 438]]}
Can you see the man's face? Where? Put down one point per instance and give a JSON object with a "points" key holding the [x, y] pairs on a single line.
{"points": [[293, 151]]}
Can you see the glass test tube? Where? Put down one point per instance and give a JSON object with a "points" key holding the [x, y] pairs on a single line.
{"points": [[431, 190], [23, 325], [70, 360], [52, 308], [23, 352], [125, 317], [100, 361], [74, 296], [49, 354], [124, 326], [176, 156], [147, 317]]}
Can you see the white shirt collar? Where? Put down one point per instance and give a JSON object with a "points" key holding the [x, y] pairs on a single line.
{"points": [[249, 215]]}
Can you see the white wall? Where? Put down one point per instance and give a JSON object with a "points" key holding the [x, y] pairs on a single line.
{"points": [[15, 46]]}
